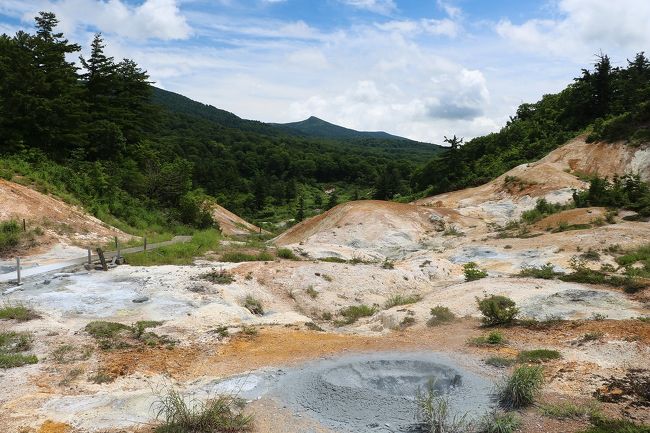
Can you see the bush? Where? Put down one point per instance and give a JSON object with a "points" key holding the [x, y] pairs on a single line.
{"points": [[179, 414], [440, 315], [354, 312], [473, 272], [9, 235], [17, 312], [500, 423], [397, 300], [497, 310], [538, 355], [546, 272], [286, 253], [253, 305], [522, 387]]}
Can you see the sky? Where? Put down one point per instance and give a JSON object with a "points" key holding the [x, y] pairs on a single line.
{"points": [[421, 69]]}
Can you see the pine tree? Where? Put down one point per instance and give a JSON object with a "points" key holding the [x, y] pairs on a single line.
{"points": [[300, 211], [333, 200]]}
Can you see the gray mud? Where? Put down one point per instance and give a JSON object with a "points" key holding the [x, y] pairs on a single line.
{"points": [[376, 392]]}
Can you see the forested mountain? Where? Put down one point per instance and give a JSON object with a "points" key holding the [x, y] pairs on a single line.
{"points": [[97, 132], [315, 127]]}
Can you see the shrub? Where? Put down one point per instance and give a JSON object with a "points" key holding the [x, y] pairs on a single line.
{"points": [[434, 413], [497, 310], [313, 293], [522, 387], [354, 312], [440, 315], [179, 414], [473, 272], [17, 312], [12, 360], [499, 361], [397, 300], [500, 423], [538, 355], [546, 272], [253, 305], [9, 235], [286, 253], [590, 255]]}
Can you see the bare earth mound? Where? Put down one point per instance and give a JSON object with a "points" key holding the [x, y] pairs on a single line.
{"points": [[231, 224], [61, 223]]}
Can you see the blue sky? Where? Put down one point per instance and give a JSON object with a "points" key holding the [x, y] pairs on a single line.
{"points": [[421, 69]]}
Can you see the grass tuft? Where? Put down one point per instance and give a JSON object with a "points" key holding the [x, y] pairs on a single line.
{"points": [[17, 312], [253, 305], [355, 312], [522, 387], [397, 300], [538, 355]]}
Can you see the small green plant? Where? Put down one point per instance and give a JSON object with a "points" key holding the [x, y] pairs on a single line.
{"points": [[546, 272], [497, 310], [249, 331], [355, 312], [17, 312], [397, 300], [238, 257], [440, 315], [500, 423], [388, 264], [538, 355], [598, 317], [220, 276], [67, 353], [180, 414], [473, 272], [606, 425], [333, 259], [253, 305], [286, 253], [522, 387], [499, 361], [592, 336], [591, 255], [453, 231], [313, 327], [11, 346], [13, 360], [112, 335], [101, 377], [494, 338]]}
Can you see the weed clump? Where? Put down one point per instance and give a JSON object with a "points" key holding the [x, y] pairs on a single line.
{"points": [[179, 414], [500, 423], [286, 253], [546, 272], [17, 312], [440, 315], [522, 387], [499, 361], [494, 338], [497, 310], [218, 277], [12, 346], [112, 335]]}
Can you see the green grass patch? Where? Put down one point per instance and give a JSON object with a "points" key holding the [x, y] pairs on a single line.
{"points": [[112, 335], [546, 272], [494, 338], [397, 300], [606, 425], [333, 259], [17, 312], [177, 254], [11, 346], [538, 355], [500, 423], [12, 360], [440, 315], [355, 312], [220, 276], [286, 253], [567, 410], [239, 257]]}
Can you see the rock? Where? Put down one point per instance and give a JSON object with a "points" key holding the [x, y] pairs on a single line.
{"points": [[46, 282], [140, 299]]}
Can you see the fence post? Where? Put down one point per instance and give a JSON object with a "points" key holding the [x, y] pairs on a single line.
{"points": [[100, 253], [24, 225], [145, 244], [18, 270]]}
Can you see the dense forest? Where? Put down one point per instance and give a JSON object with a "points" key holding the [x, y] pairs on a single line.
{"points": [[96, 132]]}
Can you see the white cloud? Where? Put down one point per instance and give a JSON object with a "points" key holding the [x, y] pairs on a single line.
{"points": [[378, 6], [584, 26], [157, 19], [444, 27]]}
